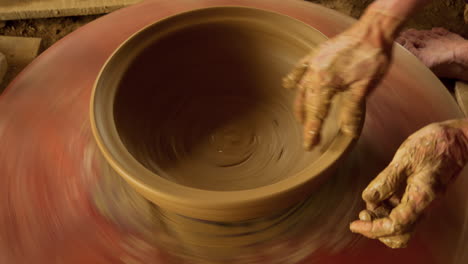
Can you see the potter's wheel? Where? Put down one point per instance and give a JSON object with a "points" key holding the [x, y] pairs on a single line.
{"points": [[47, 160]]}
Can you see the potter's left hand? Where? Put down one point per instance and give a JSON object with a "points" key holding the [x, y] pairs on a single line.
{"points": [[421, 169], [352, 63]]}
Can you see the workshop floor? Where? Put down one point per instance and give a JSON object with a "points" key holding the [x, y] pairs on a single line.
{"points": [[50, 30], [447, 13]]}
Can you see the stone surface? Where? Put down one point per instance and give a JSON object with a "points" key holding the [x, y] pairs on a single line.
{"points": [[25, 9], [19, 52]]}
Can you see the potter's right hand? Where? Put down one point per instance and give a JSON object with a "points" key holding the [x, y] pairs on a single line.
{"points": [[421, 169], [351, 63]]}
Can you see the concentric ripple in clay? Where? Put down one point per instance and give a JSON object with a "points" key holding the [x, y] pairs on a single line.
{"points": [[247, 151]]}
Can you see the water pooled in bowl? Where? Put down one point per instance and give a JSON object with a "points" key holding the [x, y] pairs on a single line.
{"points": [[204, 107]]}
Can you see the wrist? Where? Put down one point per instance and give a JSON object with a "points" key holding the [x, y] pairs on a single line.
{"points": [[461, 55], [403, 9], [458, 140], [459, 64], [383, 20], [379, 28], [462, 126]]}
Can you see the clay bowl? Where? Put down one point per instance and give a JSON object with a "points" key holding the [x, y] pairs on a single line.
{"points": [[190, 112]]}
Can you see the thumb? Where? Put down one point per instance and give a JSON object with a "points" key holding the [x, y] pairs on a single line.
{"points": [[398, 241], [384, 185]]}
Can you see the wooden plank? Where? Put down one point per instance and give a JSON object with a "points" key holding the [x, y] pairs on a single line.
{"points": [[461, 95], [25, 9], [19, 53]]}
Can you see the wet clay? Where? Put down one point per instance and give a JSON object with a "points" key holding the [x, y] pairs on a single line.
{"points": [[216, 117], [284, 237], [208, 131], [212, 114]]}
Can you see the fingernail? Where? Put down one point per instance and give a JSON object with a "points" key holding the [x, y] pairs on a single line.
{"points": [[365, 216], [373, 195]]}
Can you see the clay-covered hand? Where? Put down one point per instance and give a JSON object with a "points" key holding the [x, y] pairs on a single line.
{"points": [[353, 63], [420, 170]]}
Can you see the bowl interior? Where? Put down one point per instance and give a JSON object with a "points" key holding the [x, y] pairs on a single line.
{"points": [[201, 104], [195, 102]]}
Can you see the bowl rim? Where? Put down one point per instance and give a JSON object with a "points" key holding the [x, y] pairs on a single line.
{"points": [[201, 203]]}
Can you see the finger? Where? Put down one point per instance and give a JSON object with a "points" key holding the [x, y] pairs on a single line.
{"points": [[294, 77], [418, 196], [385, 184], [379, 212], [312, 130], [419, 44], [394, 200], [352, 112], [374, 229], [415, 42], [299, 110], [366, 215], [415, 51], [411, 44], [401, 40], [379, 228], [416, 199], [399, 241], [440, 31], [389, 204], [382, 211], [317, 106]]}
